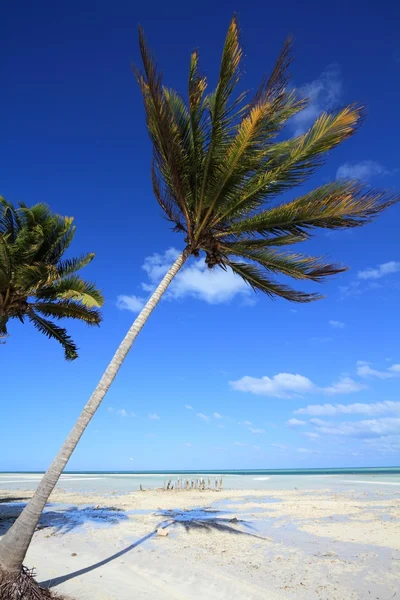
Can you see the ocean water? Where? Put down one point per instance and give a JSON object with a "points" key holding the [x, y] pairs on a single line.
{"points": [[385, 478]]}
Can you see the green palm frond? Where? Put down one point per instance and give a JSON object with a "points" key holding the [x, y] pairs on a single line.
{"points": [[293, 265], [72, 265], [219, 166], [73, 288], [257, 280], [35, 280], [52, 331], [68, 309], [338, 205]]}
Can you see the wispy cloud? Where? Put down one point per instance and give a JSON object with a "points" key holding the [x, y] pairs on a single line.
{"points": [[132, 303], [311, 435], [279, 446], [242, 444], [110, 409], [331, 410], [387, 444], [306, 451], [360, 170], [245, 423], [256, 431], [188, 407], [217, 415], [202, 416], [337, 324], [153, 417], [188, 444], [296, 423], [380, 271], [324, 93], [290, 385], [122, 412], [363, 429], [364, 369]]}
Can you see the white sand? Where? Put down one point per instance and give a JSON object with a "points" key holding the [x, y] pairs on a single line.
{"points": [[310, 545]]}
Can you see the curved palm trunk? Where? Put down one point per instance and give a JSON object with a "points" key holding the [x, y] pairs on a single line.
{"points": [[15, 543]]}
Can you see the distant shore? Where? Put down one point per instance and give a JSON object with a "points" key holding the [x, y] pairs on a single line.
{"points": [[253, 544]]}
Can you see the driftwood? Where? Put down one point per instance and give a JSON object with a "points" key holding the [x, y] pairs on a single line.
{"points": [[190, 484]]}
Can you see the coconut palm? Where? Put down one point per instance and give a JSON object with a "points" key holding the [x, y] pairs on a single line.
{"points": [[36, 283], [218, 164]]}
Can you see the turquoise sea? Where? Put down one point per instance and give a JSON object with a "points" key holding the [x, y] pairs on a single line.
{"points": [[125, 481]]}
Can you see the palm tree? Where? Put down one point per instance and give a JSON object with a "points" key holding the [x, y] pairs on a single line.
{"points": [[217, 163], [35, 281]]}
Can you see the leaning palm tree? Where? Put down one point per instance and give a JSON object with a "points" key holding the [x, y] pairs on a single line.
{"points": [[217, 164], [36, 283]]}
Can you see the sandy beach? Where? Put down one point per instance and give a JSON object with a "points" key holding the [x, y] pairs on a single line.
{"points": [[325, 544]]}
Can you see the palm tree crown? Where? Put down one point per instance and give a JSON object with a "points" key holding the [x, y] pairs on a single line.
{"points": [[217, 163], [35, 282]]}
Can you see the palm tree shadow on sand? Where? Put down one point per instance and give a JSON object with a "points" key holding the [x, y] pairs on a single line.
{"points": [[204, 519]]}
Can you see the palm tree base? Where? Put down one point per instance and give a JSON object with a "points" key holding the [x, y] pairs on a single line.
{"points": [[23, 586]]}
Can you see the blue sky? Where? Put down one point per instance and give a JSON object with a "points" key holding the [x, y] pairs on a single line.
{"points": [[219, 378]]}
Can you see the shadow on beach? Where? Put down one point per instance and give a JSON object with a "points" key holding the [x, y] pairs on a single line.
{"points": [[199, 519]]}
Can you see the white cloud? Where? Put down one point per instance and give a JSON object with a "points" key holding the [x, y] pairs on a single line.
{"points": [[345, 385], [256, 431], [337, 324], [188, 407], [240, 444], [196, 280], [324, 93], [245, 423], [289, 385], [217, 415], [331, 410], [360, 170], [110, 409], [188, 444], [257, 448], [202, 416], [132, 303], [306, 451], [365, 370], [153, 417], [133, 414], [131, 459], [311, 435], [296, 423], [320, 422], [122, 412], [364, 429], [279, 446], [380, 271]]}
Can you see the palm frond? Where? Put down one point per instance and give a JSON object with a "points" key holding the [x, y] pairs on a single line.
{"points": [[52, 331], [257, 280], [73, 288], [9, 220], [292, 162], [168, 151], [68, 309], [221, 113], [72, 265], [338, 205], [297, 266]]}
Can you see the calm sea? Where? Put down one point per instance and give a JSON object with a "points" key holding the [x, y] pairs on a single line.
{"points": [[124, 481]]}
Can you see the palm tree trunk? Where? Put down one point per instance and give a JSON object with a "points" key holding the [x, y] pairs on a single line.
{"points": [[15, 543]]}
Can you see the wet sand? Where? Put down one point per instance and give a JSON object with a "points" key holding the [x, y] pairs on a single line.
{"points": [[280, 544]]}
